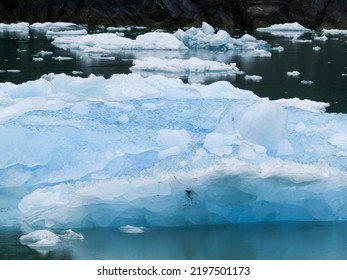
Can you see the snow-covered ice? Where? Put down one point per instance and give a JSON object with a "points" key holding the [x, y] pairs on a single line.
{"points": [[289, 30], [132, 229], [206, 37], [191, 65], [254, 78], [293, 73], [335, 31], [44, 240], [54, 26], [154, 151], [106, 42]]}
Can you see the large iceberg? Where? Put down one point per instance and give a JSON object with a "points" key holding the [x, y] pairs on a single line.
{"points": [[128, 150]]}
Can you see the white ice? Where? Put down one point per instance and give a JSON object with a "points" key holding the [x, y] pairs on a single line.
{"points": [[293, 73], [191, 65], [290, 30], [207, 37], [255, 78], [335, 31], [132, 229], [204, 37]]}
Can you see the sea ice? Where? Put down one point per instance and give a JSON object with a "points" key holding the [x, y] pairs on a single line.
{"points": [[293, 73], [254, 78], [191, 65], [335, 31], [54, 26], [128, 150], [204, 37], [132, 229], [51, 33], [290, 30], [40, 238]]}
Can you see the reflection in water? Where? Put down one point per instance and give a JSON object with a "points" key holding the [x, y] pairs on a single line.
{"points": [[270, 241]]}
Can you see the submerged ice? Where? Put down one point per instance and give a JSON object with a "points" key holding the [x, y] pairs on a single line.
{"points": [[128, 150]]}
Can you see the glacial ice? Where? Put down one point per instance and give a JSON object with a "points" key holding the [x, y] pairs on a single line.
{"points": [[289, 30], [45, 240], [175, 65], [335, 31], [204, 37], [128, 150]]}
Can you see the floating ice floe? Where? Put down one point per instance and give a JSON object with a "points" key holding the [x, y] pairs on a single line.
{"points": [[132, 229], [21, 27], [106, 42], [289, 30], [206, 37], [293, 73], [191, 65], [45, 240], [54, 26], [60, 58], [320, 38], [306, 82], [335, 31], [40, 238], [154, 151], [254, 78], [51, 33], [316, 48]]}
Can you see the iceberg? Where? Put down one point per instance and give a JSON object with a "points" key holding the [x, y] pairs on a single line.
{"points": [[191, 65], [128, 150], [54, 26], [106, 42], [289, 30], [204, 37], [335, 31]]}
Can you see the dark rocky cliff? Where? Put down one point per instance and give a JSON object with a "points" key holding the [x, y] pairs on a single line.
{"points": [[177, 13]]}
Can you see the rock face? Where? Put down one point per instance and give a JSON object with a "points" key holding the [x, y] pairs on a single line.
{"points": [[178, 13]]}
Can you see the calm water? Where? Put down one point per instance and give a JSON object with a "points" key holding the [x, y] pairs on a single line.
{"points": [[267, 241], [326, 68]]}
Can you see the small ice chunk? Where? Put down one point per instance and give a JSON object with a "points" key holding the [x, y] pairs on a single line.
{"points": [[37, 59], [316, 48], [306, 82], [60, 58], [278, 48], [75, 72], [254, 78], [293, 73], [70, 235], [132, 229], [14, 71], [40, 238], [261, 53], [320, 38]]}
